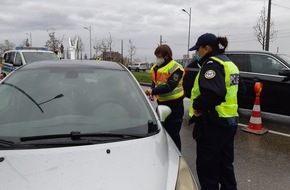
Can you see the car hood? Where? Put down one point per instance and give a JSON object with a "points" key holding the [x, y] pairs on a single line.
{"points": [[147, 163]]}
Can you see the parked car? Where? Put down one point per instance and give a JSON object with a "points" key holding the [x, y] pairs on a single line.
{"points": [[138, 67], [24, 55], [84, 125], [273, 70]]}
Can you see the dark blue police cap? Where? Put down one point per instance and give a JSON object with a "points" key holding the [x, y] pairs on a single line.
{"points": [[205, 39]]}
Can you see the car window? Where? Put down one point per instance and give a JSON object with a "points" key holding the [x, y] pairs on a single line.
{"points": [[241, 60], [18, 59], [265, 64], [30, 57], [55, 101], [285, 58], [9, 57]]}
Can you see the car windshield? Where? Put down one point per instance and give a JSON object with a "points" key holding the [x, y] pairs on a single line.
{"points": [[286, 58], [30, 57], [61, 100]]}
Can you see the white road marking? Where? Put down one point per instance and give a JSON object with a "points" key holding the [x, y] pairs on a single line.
{"points": [[270, 131]]}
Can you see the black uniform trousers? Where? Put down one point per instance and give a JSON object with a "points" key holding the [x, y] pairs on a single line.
{"points": [[215, 156], [173, 122]]}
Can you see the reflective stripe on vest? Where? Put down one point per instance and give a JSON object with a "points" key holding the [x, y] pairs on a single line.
{"points": [[229, 108], [161, 77]]}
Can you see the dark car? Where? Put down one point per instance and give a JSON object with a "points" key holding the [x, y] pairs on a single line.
{"points": [[273, 70]]}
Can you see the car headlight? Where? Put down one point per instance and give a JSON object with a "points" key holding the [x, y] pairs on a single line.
{"points": [[185, 180]]}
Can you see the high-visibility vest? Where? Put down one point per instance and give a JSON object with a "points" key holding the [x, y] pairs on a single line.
{"points": [[229, 108], [161, 76]]}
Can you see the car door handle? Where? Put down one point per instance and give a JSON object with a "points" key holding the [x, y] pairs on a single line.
{"points": [[256, 79]]}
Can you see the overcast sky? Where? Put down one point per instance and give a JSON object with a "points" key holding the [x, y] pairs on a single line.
{"points": [[143, 21]]}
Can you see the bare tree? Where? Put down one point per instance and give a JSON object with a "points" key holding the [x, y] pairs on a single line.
{"points": [[261, 27], [6, 46], [103, 46], [132, 50], [53, 43], [97, 46]]}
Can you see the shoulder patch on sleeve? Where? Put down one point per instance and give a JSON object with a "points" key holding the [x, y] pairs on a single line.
{"points": [[209, 74], [175, 77]]}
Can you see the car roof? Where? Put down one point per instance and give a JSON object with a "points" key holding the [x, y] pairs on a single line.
{"points": [[29, 50], [93, 64], [260, 52], [250, 51]]}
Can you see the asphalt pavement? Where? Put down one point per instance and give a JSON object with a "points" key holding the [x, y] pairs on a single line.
{"points": [[261, 161]]}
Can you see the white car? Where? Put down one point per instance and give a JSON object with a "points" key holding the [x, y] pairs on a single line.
{"points": [[22, 55], [138, 67], [74, 125]]}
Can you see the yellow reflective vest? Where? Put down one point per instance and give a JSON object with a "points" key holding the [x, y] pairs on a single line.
{"points": [[229, 108], [161, 76]]}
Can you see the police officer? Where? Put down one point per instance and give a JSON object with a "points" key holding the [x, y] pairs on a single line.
{"points": [[214, 109], [167, 77]]}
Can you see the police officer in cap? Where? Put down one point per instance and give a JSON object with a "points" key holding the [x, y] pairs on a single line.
{"points": [[167, 78], [214, 109]]}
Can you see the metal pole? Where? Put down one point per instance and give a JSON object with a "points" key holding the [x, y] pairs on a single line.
{"points": [[122, 52], [268, 27], [90, 42], [90, 31], [189, 26], [30, 39]]}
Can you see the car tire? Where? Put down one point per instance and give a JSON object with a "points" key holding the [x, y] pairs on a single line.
{"points": [[137, 69]]}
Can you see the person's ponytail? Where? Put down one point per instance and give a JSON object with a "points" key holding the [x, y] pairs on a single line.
{"points": [[222, 43]]}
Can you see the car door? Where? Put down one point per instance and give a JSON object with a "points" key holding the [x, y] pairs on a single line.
{"points": [[242, 60], [276, 88], [9, 59]]}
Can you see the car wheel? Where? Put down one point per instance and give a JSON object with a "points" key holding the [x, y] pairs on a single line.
{"points": [[137, 69]]}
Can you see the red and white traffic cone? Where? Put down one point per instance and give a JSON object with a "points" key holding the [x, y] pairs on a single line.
{"points": [[255, 125]]}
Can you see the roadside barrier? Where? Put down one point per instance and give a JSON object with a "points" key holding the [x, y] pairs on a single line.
{"points": [[255, 125]]}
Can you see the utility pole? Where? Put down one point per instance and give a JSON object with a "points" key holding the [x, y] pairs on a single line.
{"points": [[189, 23], [268, 26], [90, 31], [30, 38], [122, 45]]}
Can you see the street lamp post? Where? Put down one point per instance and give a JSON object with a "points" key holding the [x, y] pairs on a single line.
{"points": [[189, 23], [30, 39], [90, 31]]}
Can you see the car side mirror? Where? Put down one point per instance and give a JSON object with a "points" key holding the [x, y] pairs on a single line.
{"points": [[163, 112], [284, 72]]}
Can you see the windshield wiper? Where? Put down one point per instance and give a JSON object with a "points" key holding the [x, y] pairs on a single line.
{"points": [[23, 92], [57, 96], [6, 143], [37, 104], [76, 135]]}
